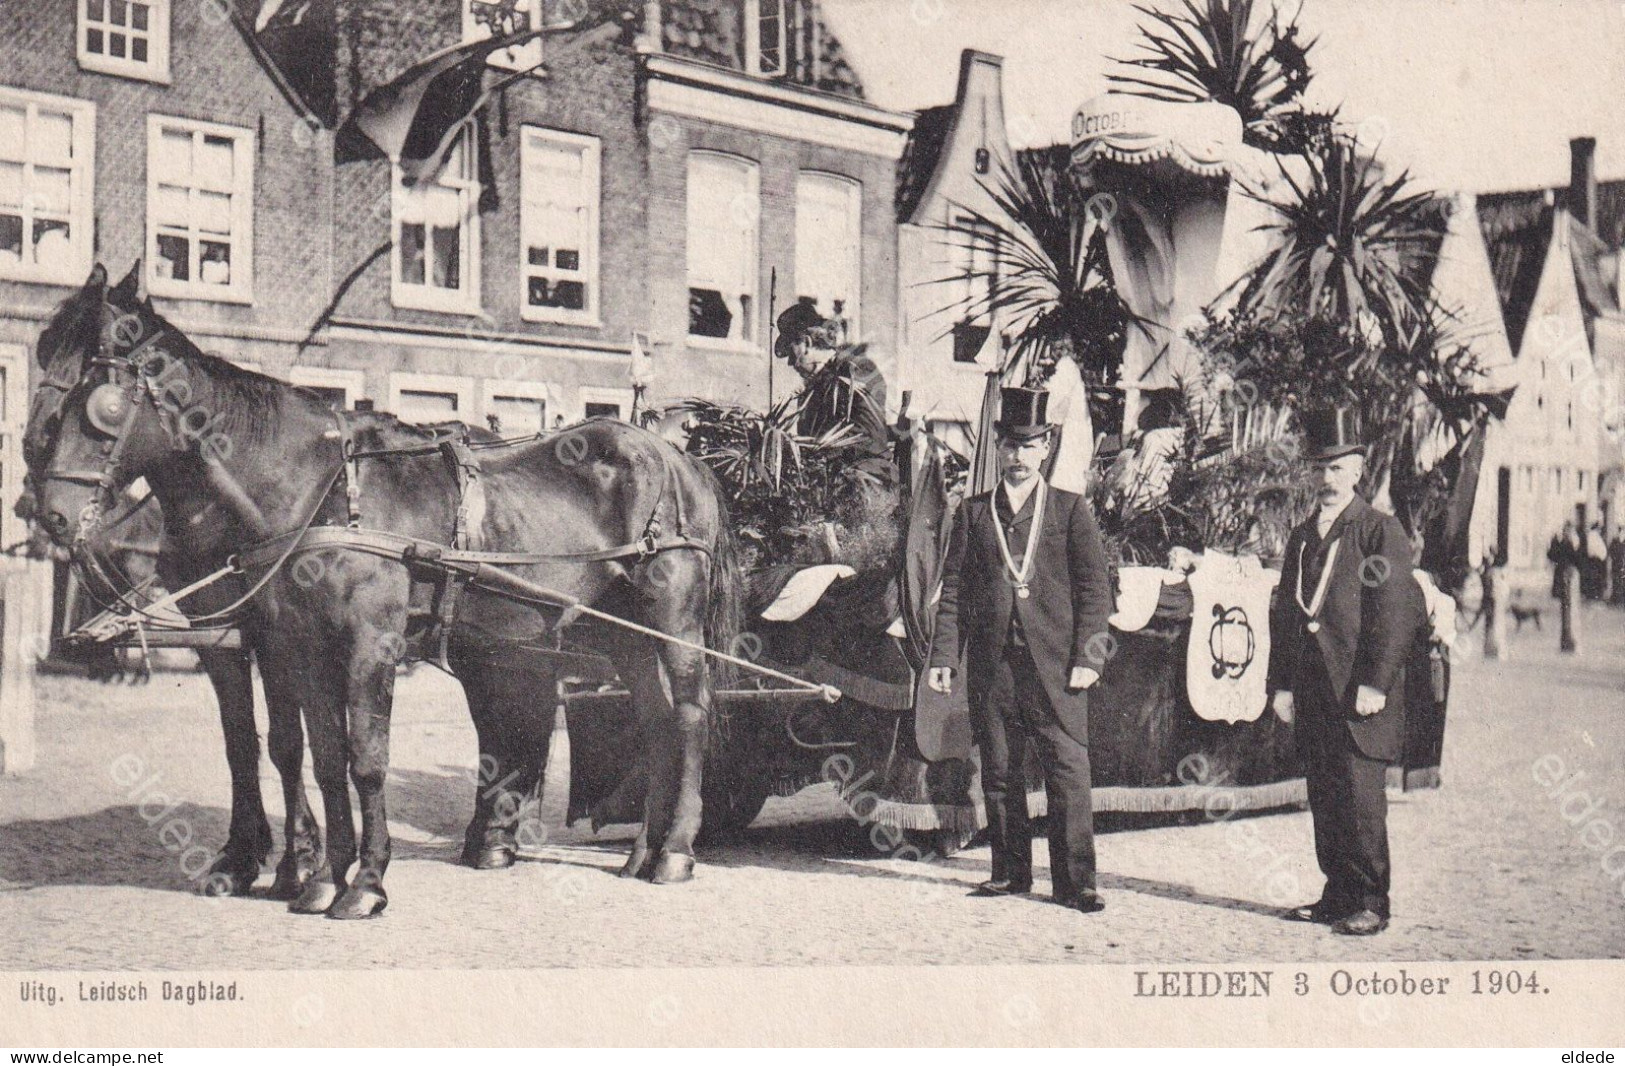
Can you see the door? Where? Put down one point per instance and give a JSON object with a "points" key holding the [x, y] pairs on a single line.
{"points": [[1503, 514]]}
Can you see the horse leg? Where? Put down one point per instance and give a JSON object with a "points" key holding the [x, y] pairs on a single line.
{"points": [[638, 663], [483, 846], [691, 697], [248, 843], [321, 695], [510, 789], [302, 836], [371, 692]]}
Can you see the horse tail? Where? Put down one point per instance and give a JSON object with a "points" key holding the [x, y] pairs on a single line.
{"points": [[725, 600]]}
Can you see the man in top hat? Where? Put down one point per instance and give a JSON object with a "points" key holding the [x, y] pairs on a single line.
{"points": [[1346, 613], [1026, 591], [840, 385]]}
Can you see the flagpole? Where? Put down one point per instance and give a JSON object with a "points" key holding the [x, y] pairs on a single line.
{"points": [[772, 306]]}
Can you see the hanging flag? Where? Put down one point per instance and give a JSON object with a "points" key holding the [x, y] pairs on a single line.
{"points": [[642, 368], [415, 119], [1228, 655], [1069, 409], [984, 464]]}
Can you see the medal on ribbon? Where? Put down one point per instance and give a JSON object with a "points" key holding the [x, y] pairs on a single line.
{"points": [[1312, 608], [1021, 576]]}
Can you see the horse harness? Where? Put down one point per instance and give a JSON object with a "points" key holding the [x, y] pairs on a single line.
{"points": [[445, 570], [111, 410]]}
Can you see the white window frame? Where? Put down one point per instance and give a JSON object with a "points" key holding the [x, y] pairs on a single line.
{"points": [[591, 149], [241, 288], [154, 68], [81, 190], [352, 382], [517, 58], [853, 190], [749, 340], [491, 389], [447, 384], [756, 63], [464, 300], [586, 394]]}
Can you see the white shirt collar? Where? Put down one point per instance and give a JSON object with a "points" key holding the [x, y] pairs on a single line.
{"points": [[1016, 497], [1327, 516]]}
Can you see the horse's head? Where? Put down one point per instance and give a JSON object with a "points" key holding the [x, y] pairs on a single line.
{"points": [[96, 422]]}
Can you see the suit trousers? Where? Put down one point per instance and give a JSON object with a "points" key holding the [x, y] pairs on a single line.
{"points": [[1348, 799], [1014, 711]]}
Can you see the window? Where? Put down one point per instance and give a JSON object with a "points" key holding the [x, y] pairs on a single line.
{"points": [[47, 156], [559, 219], [340, 388], [483, 19], [514, 408], [611, 403], [129, 37], [437, 236], [829, 247], [723, 208], [426, 398], [972, 265], [200, 210], [765, 33]]}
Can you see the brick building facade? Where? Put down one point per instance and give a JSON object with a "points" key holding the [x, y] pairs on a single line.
{"points": [[666, 191]]}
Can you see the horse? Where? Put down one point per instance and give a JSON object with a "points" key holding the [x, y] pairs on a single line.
{"points": [[339, 521], [137, 543]]}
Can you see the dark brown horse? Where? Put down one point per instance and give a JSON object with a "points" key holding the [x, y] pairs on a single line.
{"points": [[132, 546], [604, 513]]}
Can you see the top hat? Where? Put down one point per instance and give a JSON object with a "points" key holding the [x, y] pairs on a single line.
{"points": [[1023, 413], [801, 320], [1332, 432]]}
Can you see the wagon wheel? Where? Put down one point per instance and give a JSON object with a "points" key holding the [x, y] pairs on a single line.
{"points": [[731, 804]]}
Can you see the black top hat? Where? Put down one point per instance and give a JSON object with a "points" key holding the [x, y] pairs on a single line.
{"points": [[801, 320], [1331, 432], [1023, 413]]}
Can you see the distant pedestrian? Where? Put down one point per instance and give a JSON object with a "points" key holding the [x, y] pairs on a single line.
{"points": [[1595, 566], [1616, 568], [1564, 553]]}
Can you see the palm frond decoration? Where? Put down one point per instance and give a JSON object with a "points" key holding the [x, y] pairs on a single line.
{"points": [[1349, 247], [1211, 51], [782, 485], [1040, 265]]}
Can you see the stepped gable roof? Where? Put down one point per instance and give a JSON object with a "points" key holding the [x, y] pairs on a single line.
{"points": [[921, 152]]}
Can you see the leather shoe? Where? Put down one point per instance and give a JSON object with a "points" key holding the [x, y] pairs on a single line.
{"points": [[1320, 913], [1361, 923], [1002, 887], [1087, 901]]}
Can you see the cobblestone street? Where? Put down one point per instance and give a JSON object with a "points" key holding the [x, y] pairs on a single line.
{"points": [[1491, 866]]}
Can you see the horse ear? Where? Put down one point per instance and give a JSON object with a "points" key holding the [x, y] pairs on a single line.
{"points": [[97, 281], [132, 289]]}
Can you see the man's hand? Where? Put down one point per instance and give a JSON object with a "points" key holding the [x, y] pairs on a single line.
{"points": [[1082, 677], [1368, 701], [1284, 705], [941, 679]]}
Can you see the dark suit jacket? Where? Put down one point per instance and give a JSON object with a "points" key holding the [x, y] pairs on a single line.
{"points": [[1369, 621], [1070, 602]]}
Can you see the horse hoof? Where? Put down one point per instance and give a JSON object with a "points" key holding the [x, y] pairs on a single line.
{"points": [[493, 859], [636, 863], [231, 875], [291, 879], [358, 903], [315, 898], [674, 869]]}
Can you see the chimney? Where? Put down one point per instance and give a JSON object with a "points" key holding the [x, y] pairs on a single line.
{"points": [[1583, 181]]}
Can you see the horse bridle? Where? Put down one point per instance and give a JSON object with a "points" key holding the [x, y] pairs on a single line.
{"points": [[110, 410]]}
